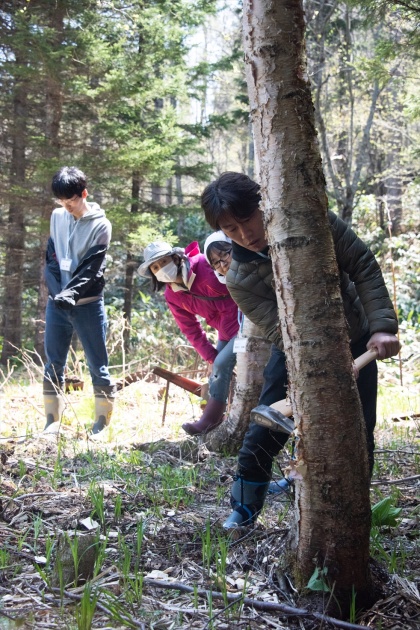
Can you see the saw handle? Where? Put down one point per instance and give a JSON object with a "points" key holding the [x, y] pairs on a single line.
{"points": [[285, 407], [366, 358]]}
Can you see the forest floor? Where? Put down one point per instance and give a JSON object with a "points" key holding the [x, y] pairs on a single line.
{"points": [[150, 504]]}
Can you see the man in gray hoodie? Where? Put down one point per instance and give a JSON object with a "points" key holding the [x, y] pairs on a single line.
{"points": [[75, 263]]}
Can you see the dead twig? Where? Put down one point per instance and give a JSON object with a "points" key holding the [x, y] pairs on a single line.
{"points": [[393, 482], [221, 612], [32, 494], [255, 603]]}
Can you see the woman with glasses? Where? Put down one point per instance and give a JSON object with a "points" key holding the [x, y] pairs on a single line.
{"points": [[195, 287], [218, 253]]}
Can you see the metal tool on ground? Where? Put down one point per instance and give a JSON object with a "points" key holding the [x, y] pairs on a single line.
{"points": [[277, 417]]}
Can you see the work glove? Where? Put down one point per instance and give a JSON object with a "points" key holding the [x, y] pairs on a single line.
{"points": [[64, 300]]}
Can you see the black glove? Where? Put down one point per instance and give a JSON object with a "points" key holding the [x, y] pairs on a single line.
{"points": [[64, 300]]}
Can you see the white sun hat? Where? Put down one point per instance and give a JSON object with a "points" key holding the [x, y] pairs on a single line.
{"points": [[153, 252], [213, 238]]}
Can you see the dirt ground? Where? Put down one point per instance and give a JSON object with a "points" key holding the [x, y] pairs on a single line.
{"points": [[154, 502]]}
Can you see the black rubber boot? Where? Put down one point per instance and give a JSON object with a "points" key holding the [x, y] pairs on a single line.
{"points": [[211, 418], [247, 500], [283, 486]]}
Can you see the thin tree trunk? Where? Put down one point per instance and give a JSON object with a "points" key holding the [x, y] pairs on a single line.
{"points": [[350, 157], [249, 381], [51, 152], [180, 201], [394, 181], [332, 497], [15, 235], [131, 264]]}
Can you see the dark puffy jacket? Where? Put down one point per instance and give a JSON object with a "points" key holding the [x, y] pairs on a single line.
{"points": [[367, 305]]}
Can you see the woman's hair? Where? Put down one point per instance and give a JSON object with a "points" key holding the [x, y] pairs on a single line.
{"points": [[179, 253], [222, 246], [231, 195]]}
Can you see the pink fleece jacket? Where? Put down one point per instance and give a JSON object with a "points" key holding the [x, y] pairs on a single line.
{"points": [[220, 313]]}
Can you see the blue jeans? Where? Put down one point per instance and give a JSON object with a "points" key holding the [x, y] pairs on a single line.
{"points": [[89, 322], [261, 446], [221, 373]]}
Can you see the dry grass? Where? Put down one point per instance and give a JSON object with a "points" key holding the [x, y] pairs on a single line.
{"points": [[177, 493]]}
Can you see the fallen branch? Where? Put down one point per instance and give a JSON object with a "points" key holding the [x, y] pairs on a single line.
{"points": [[254, 603], [31, 495], [392, 482]]}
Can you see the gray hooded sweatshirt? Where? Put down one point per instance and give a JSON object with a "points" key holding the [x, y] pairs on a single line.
{"points": [[83, 242]]}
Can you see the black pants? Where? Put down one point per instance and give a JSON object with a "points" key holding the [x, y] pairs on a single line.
{"points": [[261, 446]]}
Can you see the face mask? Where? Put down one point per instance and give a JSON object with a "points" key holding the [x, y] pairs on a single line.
{"points": [[168, 273]]}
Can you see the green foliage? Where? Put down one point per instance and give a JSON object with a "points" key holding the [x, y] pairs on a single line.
{"points": [[384, 514], [112, 85], [96, 495], [398, 256], [4, 559], [352, 611], [153, 333], [86, 609], [318, 580]]}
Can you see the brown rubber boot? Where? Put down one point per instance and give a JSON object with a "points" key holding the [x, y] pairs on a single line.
{"points": [[211, 418]]}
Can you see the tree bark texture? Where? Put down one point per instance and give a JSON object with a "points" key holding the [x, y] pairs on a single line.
{"points": [[332, 490], [15, 235], [52, 86], [229, 436], [131, 263], [394, 182]]}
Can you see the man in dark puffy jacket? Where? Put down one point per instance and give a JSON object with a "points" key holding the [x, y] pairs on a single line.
{"points": [[231, 204]]}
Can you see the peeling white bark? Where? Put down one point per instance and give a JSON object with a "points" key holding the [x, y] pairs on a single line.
{"points": [[333, 509]]}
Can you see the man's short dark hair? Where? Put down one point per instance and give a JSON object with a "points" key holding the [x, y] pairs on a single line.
{"points": [[67, 182], [231, 195]]}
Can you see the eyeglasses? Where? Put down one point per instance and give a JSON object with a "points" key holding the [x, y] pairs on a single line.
{"points": [[64, 201], [224, 258]]}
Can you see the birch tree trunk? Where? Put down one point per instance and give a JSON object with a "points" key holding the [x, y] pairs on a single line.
{"points": [[332, 489], [229, 436]]}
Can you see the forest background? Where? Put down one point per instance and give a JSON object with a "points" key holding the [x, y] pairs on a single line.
{"points": [[149, 99]]}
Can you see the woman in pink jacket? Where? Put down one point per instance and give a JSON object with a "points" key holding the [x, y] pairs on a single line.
{"points": [[192, 289]]}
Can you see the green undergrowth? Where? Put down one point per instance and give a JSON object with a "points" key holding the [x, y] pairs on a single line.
{"points": [[154, 503]]}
